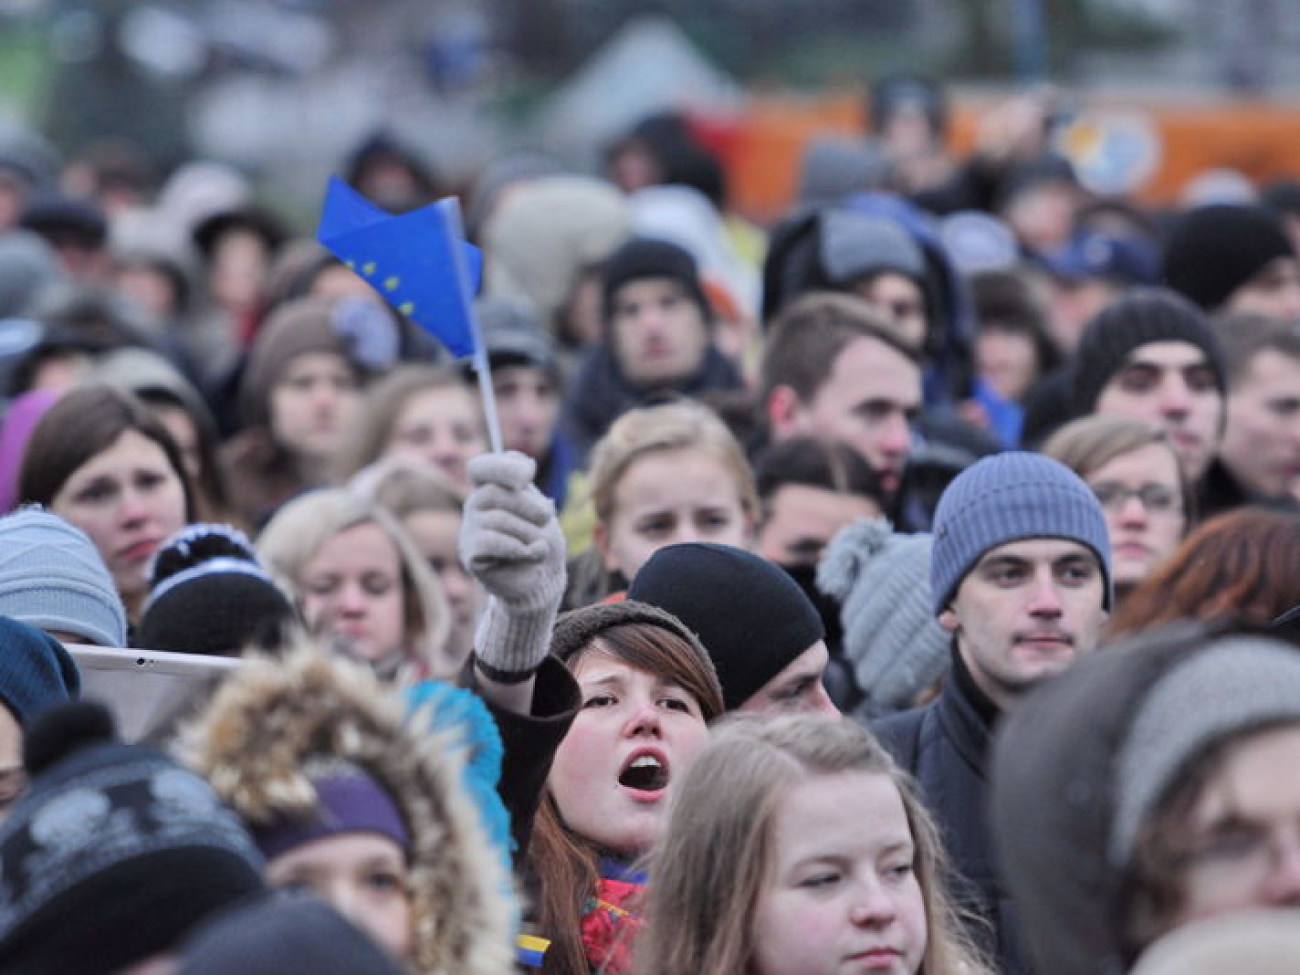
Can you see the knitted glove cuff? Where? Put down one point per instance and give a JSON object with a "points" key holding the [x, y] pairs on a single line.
{"points": [[513, 640]]}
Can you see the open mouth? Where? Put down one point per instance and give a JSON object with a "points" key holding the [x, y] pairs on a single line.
{"points": [[645, 773]]}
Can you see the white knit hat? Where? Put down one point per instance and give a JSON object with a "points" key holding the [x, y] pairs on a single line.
{"points": [[892, 640]]}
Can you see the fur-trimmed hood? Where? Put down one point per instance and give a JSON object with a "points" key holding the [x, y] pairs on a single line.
{"points": [[272, 716]]}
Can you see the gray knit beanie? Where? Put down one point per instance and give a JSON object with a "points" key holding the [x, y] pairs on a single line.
{"points": [[1235, 685], [891, 639], [856, 244], [1005, 498], [53, 578]]}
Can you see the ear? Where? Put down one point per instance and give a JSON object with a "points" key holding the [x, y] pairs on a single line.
{"points": [[783, 411], [948, 620]]}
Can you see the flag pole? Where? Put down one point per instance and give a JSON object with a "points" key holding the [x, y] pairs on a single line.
{"points": [[482, 368]]}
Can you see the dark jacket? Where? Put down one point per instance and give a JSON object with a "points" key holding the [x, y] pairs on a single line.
{"points": [[945, 745]]}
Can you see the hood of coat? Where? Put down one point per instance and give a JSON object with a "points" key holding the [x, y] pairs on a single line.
{"points": [[272, 717], [1053, 796]]}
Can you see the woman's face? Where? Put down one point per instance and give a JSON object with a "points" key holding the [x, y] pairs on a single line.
{"points": [[129, 500], [1142, 499], [440, 427], [841, 893], [361, 875], [312, 403], [1245, 847], [671, 496], [436, 534], [634, 735], [352, 589]]}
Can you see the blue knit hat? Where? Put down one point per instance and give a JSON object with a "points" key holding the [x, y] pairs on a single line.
{"points": [[1005, 498], [35, 671]]}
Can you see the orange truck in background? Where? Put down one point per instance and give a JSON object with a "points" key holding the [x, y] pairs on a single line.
{"points": [[761, 147]]}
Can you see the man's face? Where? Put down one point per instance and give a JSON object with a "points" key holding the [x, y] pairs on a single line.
{"points": [[868, 402], [1026, 611], [1170, 384], [1261, 441], [1273, 292], [658, 332], [802, 519], [528, 405]]}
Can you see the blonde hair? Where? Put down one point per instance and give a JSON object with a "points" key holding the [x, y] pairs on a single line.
{"points": [[371, 431], [304, 524], [713, 860], [680, 425]]}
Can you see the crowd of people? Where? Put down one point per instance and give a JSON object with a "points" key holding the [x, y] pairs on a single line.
{"points": [[904, 587]]}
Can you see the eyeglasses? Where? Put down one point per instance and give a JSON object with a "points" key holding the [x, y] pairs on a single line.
{"points": [[1113, 496]]}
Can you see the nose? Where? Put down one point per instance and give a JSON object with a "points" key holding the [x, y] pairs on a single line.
{"points": [[1045, 599], [1175, 396], [644, 720], [351, 600], [896, 438], [1132, 511], [872, 905], [1282, 888], [135, 506], [456, 585], [819, 702]]}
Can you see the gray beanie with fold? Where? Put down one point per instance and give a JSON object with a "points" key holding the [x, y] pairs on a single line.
{"points": [[881, 579], [1235, 685], [1005, 498], [53, 578]]}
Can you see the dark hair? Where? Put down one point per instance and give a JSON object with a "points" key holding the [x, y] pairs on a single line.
{"points": [[1004, 301], [565, 862], [811, 461], [1243, 337], [210, 489], [80, 425], [809, 334]]}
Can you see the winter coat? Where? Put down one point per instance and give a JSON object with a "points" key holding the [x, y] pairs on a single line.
{"points": [[272, 716], [945, 745], [1052, 801]]}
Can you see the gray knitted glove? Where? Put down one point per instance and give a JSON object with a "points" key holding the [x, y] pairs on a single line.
{"points": [[510, 541]]}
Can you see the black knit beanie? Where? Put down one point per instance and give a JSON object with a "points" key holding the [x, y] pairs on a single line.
{"points": [[753, 619], [114, 854], [210, 594], [1213, 250], [647, 258], [1139, 317]]}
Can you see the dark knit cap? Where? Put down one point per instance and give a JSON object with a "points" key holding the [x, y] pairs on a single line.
{"points": [[1138, 317], [1213, 250], [753, 619], [36, 672], [1005, 498], [648, 258], [114, 854], [577, 628], [285, 933], [210, 594]]}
